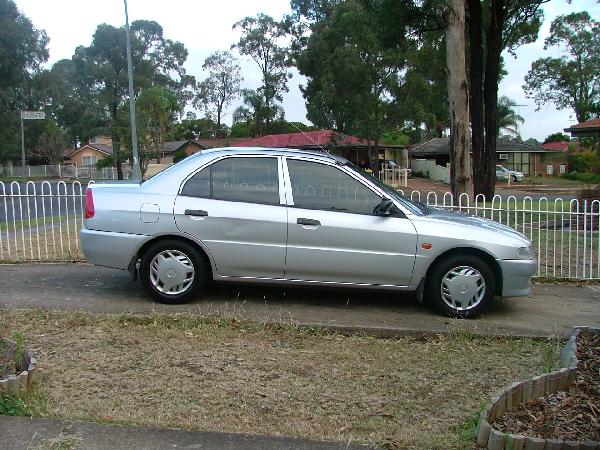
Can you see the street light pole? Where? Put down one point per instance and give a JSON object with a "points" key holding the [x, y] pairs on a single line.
{"points": [[137, 173], [22, 143]]}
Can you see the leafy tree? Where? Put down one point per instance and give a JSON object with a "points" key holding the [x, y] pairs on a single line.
{"points": [[261, 37], [507, 118], [157, 109], [101, 69], [192, 128], [570, 81], [533, 141], [51, 145], [222, 85], [557, 137], [350, 74], [255, 112], [72, 106], [23, 49]]}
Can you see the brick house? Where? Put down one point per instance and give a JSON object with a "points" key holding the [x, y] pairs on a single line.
{"points": [[532, 160]]}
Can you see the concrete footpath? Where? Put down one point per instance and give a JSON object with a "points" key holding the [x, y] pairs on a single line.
{"points": [[550, 310], [19, 433]]}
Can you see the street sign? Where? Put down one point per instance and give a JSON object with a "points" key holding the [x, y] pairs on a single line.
{"points": [[33, 115]]}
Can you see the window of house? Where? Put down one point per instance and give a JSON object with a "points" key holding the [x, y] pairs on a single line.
{"points": [[319, 186], [519, 162], [251, 180], [88, 160], [562, 168]]}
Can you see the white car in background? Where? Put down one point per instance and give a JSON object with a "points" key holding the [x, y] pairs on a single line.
{"points": [[503, 174]]}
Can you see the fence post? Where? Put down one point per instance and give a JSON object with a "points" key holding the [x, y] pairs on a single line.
{"points": [[29, 171], [59, 172]]}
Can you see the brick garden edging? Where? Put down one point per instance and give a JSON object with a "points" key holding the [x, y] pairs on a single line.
{"points": [[18, 384], [524, 391]]}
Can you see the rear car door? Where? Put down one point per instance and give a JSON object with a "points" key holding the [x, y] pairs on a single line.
{"points": [[334, 235], [234, 207]]}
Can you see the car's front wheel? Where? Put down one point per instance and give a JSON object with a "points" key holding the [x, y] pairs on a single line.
{"points": [[172, 271], [461, 285]]}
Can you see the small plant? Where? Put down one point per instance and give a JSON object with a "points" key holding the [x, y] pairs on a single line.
{"points": [[11, 406]]}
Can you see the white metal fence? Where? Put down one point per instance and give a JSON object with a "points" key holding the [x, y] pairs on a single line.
{"points": [[65, 171], [40, 221]]}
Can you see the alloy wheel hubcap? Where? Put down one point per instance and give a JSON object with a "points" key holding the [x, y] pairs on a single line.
{"points": [[463, 288], [172, 272]]}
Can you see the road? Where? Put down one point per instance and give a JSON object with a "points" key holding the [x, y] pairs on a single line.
{"points": [[56, 201], [552, 309]]}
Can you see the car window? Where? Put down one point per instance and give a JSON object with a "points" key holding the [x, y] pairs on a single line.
{"points": [[252, 180], [320, 186]]}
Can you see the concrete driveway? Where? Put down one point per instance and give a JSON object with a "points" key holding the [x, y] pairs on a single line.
{"points": [[551, 309]]}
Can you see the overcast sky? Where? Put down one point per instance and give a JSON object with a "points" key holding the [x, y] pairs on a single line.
{"points": [[205, 26]]}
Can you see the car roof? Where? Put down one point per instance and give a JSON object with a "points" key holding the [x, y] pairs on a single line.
{"points": [[274, 151]]}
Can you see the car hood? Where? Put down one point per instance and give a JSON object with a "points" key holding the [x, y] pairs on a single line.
{"points": [[462, 218]]}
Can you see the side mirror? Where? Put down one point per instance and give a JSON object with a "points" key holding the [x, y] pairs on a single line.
{"points": [[384, 208]]}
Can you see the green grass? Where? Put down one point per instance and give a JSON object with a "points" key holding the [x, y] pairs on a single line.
{"points": [[16, 225]]}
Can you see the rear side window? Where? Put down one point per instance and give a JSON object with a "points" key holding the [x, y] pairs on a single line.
{"points": [[251, 180], [320, 186]]}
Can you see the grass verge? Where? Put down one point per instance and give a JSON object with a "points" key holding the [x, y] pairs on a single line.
{"points": [[222, 374]]}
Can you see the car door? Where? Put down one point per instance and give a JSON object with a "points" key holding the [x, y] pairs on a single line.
{"points": [[235, 208], [333, 234]]}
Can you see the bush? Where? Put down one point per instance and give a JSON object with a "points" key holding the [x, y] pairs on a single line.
{"points": [[584, 177], [586, 161], [179, 155]]}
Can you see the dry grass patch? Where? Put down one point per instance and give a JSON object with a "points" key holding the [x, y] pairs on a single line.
{"points": [[227, 375]]}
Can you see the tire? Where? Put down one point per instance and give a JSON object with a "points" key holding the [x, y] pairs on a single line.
{"points": [[479, 285], [180, 262], [514, 178]]}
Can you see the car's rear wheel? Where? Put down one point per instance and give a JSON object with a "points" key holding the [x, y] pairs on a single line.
{"points": [[461, 285], [173, 272], [514, 178]]}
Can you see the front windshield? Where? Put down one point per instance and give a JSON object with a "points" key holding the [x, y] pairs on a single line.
{"points": [[415, 208]]}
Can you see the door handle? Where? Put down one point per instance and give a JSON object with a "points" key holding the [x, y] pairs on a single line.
{"points": [[195, 212], [303, 221]]}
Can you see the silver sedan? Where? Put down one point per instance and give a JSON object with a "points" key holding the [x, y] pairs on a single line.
{"points": [[297, 218]]}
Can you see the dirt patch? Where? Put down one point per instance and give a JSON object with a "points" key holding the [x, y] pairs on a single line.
{"points": [[221, 374], [572, 415]]}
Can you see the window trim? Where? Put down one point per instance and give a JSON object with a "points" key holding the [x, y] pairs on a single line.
{"points": [[291, 203], [223, 157]]}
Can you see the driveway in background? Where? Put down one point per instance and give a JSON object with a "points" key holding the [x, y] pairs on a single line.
{"points": [[550, 310]]}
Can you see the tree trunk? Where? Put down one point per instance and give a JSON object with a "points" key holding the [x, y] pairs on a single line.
{"points": [[458, 95], [115, 140], [490, 93], [476, 95]]}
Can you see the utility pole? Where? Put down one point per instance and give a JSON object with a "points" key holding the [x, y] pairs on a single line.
{"points": [[137, 173], [22, 143]]}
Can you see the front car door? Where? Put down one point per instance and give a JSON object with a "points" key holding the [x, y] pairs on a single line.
{"points": [[334, 235], [234, 206]]}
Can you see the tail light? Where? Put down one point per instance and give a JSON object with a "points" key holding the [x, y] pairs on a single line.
{"points": [[89, 204]]}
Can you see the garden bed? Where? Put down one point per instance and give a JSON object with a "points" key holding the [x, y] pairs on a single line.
{"points": [[573, 414]]}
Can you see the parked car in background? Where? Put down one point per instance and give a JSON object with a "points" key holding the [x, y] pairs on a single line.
{"points": [[293, 217], [503, 174]]}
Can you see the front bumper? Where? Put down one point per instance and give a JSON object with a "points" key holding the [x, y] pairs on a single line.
{"points": [[109, 249], [516, 276]]}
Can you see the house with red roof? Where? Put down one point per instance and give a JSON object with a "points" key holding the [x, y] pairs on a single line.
{"points": [[590, 128]]}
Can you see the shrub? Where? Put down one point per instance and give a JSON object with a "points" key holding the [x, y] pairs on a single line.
{"points": [[179, 155]]}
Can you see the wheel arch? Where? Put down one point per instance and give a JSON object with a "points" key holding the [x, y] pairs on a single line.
{"points": [[171, 237], [485, 256]]}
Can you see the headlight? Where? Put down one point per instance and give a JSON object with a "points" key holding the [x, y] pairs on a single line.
{"points": [[524, 253]]}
